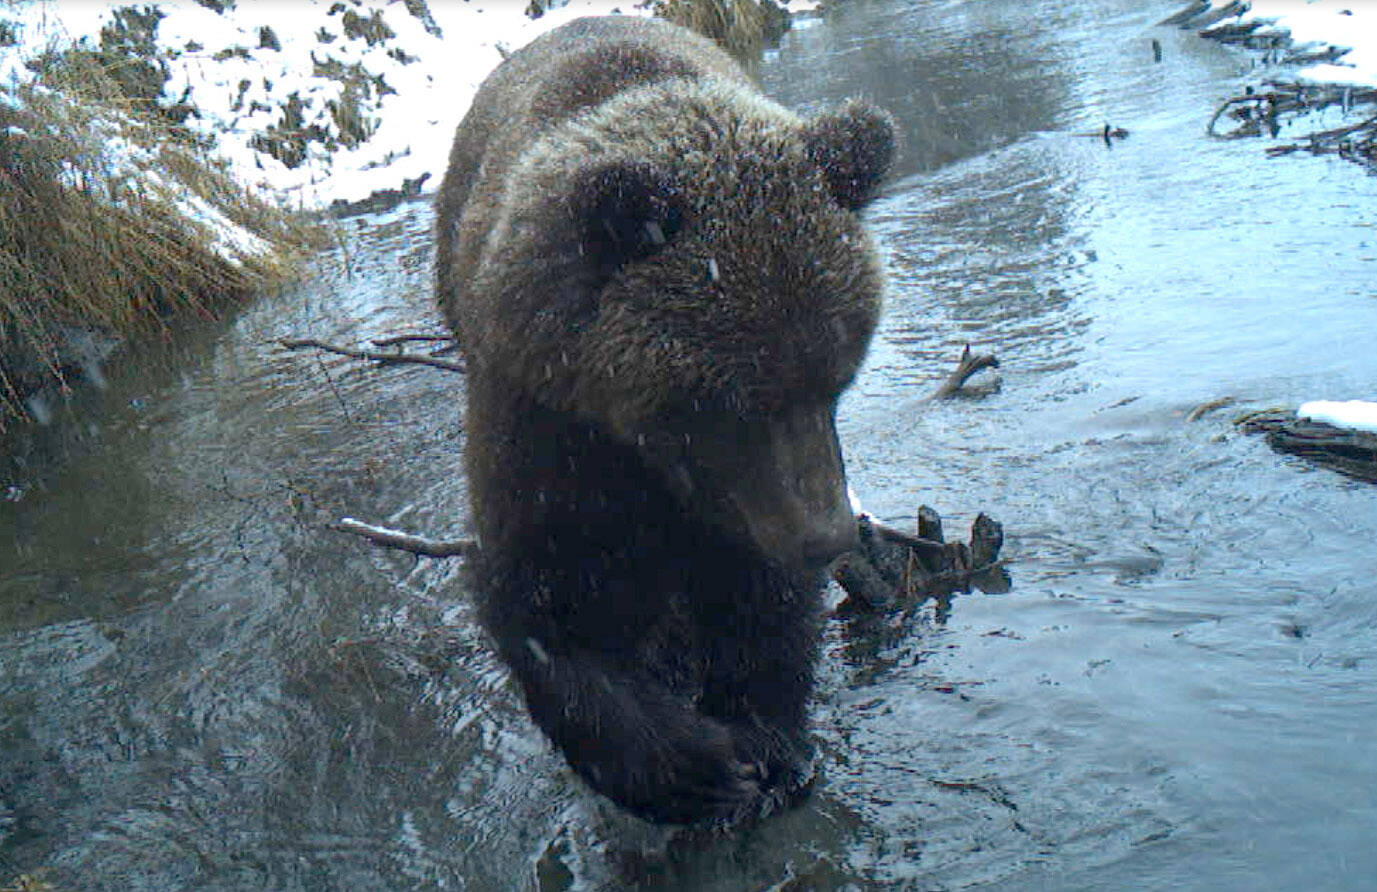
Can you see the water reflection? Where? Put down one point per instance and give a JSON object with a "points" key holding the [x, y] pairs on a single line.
{"points": [[960, 78], [985, 253], [200, 717]]}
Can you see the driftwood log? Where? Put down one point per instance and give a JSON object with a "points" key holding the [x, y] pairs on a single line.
{"points": [[894, 570], [1350, 452]]}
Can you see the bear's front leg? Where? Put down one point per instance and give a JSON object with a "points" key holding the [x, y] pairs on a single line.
{"points": [[633, 740], [759, 679]]}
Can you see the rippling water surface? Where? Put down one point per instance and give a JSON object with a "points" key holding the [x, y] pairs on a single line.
{"points": [[200, 688]]}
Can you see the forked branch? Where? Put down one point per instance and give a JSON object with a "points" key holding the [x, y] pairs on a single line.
{"points": [[968, 365]]}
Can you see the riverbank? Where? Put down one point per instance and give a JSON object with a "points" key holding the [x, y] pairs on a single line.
{"points": [[1312, 80], [162, 159], [113, 228], [318, 105]]}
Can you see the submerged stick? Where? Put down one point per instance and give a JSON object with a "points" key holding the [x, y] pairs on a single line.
{"points": [[409, 338], [441, 548], [381, 358], [390, 538], [1209, 406]]}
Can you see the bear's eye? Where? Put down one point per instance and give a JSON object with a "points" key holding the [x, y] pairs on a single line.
{"points": [[625, 212], [618, 240]]}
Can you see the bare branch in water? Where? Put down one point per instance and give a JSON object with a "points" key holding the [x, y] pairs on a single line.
{"points": [[410, 338], [389, 538], [968, 366], [892, 569], [1209, 406], [382, 358]]}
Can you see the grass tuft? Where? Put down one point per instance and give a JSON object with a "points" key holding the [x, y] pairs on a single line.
{"points": [[741, 27], [114, 225]]}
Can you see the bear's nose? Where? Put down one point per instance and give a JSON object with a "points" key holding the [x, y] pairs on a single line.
{"points": [[793, 496]]}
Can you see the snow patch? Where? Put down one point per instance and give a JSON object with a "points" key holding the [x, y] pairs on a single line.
{"points": [[1342, 24], [1358, 415], [412, 88]]}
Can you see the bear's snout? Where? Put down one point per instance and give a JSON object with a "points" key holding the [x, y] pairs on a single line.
{"points": [[791, 492]]}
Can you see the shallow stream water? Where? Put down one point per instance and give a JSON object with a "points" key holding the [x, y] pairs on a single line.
{"points": [[201, 688]]}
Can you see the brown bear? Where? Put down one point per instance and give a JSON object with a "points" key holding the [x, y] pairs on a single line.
{"points": [[662, 289]]}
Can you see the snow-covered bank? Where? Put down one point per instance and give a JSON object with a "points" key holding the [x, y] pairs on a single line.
{"points": [[310, 101], [1358, 415], [1312, 79], [313, 101], [1329, 41], [178, 130], [1320, 24]]}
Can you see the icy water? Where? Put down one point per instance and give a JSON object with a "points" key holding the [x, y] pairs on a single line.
{"points": [[201, 688]]}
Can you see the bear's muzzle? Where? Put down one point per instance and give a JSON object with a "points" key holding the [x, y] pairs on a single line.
{"points": [[790, 491]]}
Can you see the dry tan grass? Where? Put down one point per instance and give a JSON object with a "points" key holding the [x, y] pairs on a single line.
{"points": [[92, 244], [29, 882], [739, 26]]}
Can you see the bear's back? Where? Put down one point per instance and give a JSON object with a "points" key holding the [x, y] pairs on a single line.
{"points": [[553, 79]]}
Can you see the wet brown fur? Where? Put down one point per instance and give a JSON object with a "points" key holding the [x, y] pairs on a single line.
{"points": [[646, 262]]}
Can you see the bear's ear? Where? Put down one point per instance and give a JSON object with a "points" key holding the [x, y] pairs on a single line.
{"points": [[624, 211], [854, 146]]}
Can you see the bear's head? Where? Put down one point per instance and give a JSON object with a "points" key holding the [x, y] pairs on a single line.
{"points": [[690, 277]]}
